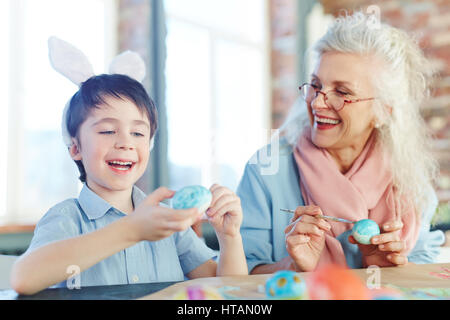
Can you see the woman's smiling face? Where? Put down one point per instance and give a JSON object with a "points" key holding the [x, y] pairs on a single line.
{"points": [[351, 127]]}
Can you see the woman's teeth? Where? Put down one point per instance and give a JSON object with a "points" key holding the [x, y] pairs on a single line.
{"points": [[327, 120]]}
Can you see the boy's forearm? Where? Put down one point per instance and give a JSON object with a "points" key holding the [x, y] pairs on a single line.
{"points": [[232, 259], [48, 265]]}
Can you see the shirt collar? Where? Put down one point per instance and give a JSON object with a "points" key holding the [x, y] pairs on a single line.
{"points": [[96, 207]]}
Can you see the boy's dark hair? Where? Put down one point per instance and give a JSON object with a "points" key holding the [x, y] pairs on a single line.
{"points": [[91, 95]]}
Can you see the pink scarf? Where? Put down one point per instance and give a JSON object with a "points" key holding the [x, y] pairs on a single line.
{"points": [[365, 191]]}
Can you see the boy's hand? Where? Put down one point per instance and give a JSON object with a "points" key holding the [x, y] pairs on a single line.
{"points": [[152, 222], [386, 248], [305, 238], [225, 212]]}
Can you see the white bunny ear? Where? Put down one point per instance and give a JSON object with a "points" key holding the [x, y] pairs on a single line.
{"points": [[128, 63], [69, 61]]}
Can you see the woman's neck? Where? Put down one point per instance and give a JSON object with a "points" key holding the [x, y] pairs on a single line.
{"points": [[344, 158], [119, 199]]}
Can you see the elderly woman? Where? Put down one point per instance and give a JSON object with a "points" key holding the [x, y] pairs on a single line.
{"points": [[355, 147]]}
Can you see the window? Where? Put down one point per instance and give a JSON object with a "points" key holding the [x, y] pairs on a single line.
{"points": [[317, 24], [217, 80], [38, 172]]}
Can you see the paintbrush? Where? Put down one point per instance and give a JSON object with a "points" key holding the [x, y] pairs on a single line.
{"points": [[323, 217]]}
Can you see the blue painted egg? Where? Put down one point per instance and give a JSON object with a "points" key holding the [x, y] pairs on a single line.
{"points": [[192, 196], [286, 284], [364, 230], [386, 294]]}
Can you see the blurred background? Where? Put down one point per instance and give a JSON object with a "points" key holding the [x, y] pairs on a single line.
{"points": [[223, 73]]}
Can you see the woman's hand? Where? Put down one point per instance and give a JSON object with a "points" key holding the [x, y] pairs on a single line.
{"points": [[385, 249], [305, 237], [225, 212], [152, 222]]}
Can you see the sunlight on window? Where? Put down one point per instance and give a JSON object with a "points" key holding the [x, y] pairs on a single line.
{"points": [[190, 94], [40, 170], [317, 24], [231, 17], [217, 106], [240, 114]]}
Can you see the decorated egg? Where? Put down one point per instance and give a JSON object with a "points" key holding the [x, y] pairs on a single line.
{"points": [[364, 230], [198, 293], [334, 282], [384, 293], [287, 285], [192, 196]]}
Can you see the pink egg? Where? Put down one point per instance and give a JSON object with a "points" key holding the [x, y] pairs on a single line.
{"points": [[334, 282]]}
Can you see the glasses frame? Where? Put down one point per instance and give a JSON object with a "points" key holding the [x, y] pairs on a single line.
{"points": [[326, 98]]}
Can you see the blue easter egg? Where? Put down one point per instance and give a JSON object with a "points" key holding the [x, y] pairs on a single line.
{"points": [[386, 294], [364, 230], [286, 284], [192, 196]]}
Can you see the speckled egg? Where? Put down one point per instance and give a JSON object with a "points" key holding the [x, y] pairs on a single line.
{"points": [[287, 285], [364, 230], [192, 196]]}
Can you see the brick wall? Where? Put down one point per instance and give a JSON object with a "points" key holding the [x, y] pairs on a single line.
{"points": [[430, 20], [283, 57]]}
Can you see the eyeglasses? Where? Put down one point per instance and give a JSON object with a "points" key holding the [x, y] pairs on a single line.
{"points": [[333, 99]]}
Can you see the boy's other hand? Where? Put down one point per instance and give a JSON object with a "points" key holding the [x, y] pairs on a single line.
{"points": [[152, 222], [225, 212]]}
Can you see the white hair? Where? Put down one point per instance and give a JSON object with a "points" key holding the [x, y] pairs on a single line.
{"points": [[402, 85]]}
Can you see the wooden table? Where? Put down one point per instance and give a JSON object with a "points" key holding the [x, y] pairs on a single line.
{"points": [[250, 287]]}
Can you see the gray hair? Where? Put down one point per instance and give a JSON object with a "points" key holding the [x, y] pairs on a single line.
{"points": [[403, 84]]}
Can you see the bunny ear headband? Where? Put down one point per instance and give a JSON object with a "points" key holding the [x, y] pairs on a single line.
{"points": [[75, 66]]}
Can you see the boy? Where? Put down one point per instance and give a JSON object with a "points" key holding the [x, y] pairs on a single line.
{"points": [[113, 233]]}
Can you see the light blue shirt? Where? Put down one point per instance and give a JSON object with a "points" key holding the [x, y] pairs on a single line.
{"points": [[169, 259], [263, 193]]}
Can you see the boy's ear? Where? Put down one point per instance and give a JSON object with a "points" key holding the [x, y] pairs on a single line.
{"points": [[74, 150]]}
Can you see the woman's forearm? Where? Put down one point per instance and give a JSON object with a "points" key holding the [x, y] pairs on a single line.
{"points": [[49, 264]]}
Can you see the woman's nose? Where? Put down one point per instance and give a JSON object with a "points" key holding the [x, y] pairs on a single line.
{"points": [[319, 101]]}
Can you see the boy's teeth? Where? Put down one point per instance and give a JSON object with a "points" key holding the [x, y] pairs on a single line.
{"points": [[123, 169], [121, 163]]}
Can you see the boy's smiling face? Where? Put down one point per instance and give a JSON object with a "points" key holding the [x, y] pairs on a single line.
{"points": [[114, 145]]}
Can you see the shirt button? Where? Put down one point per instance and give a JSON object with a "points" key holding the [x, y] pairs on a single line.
{"points": [[135, 278]]}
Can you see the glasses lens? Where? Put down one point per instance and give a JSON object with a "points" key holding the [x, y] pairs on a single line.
{"points": [[334, 100], [308, 92]]}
